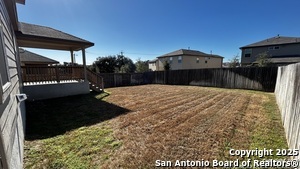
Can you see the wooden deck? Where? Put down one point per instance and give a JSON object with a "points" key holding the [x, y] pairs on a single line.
{"points": [[38, 75]]}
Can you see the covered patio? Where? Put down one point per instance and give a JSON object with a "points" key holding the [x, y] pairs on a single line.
{"points": [[43, 82]]}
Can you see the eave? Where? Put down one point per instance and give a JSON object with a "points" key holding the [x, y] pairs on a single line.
{"points": [[33, 41]]}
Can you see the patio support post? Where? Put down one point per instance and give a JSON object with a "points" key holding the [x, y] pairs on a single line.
{"points": [[72, 57], [84, 64]]}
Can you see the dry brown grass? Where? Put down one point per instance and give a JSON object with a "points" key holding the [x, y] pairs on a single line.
{"points": [[182, 122]]}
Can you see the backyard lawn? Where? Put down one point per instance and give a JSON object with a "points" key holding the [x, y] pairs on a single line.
{"points": [[132, 127]]}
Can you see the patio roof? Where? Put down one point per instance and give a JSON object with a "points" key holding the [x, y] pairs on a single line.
{"points": [[36, 36]]}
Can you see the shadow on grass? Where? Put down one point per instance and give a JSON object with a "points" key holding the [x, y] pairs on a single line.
{"points": [[52, 117]]}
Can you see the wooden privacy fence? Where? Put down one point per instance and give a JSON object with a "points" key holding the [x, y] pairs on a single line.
{"points": [[122, 79], [254, 78], [288, 99]]}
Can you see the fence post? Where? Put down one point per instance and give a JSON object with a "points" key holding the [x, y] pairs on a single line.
{"points": [[115, 81], [57, 74], [102, 84], [166, 77]]}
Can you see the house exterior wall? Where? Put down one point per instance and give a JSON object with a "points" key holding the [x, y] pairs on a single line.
{"points": [[12, 112], [190, 62], [153, 66], [176, 64], [160, 64], [284, 50], [48, 91]]}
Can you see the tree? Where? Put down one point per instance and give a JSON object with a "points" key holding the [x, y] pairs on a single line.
{"points": [[106, 64], [263, 60], [127, 66], [141, 66], [120, 59], [234, 62], [114, 64], [167, 65]]}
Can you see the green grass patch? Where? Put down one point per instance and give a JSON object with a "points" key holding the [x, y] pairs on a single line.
{"points": [[72, 132], [269, 133], [79, 148]]}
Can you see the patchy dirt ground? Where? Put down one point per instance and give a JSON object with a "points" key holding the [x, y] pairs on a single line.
{"points": [[183, 122]]}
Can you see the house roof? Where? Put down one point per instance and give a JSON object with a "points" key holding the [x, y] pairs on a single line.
{"points": [[187, 52], [30, 57], [36, 36], [153, 61], [20, 2], [284, 60], [277, 40]]}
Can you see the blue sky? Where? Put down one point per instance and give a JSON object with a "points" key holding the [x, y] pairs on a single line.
{"points": [[149, 28]]}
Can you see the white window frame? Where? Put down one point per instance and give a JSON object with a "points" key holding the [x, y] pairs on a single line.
{"points": [[4, 88], [274, 48], [179, 59], [171, 59]]}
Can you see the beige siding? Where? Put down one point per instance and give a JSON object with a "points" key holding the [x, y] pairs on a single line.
{"points": [[153, 66], [190, 62], [160, 64], [285, 50], [175, 65], [12, 116]]}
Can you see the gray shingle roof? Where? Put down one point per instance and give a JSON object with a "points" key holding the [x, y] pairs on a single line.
{"points": [[188, 52], [20, 2], [47, 32], [277, 40], [283, 60], [27, 56], [153, 61], [35, 36]]}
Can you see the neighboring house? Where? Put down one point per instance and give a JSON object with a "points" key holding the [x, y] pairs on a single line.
{"points": [[14, 34], [188, 59], [281, 50], [226, 65], [153, 64], [28, 58]]}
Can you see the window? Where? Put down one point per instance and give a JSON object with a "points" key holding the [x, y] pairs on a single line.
{"points": [[274, 48], [4, 74], [206, 61], [179, 59], [197, 61], [248, 52], [171, 59]]}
